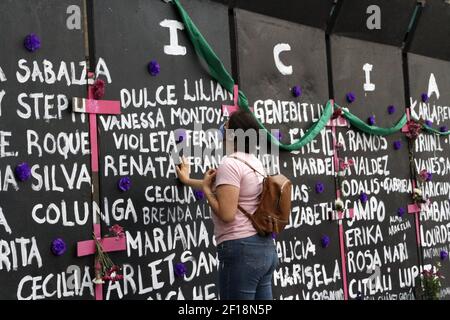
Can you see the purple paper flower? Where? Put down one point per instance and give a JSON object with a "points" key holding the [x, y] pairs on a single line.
{"points": [[350, 97], [414, 129], [199, 195], [278, 135], [401, 212], [154, 68], [337, 113], [319, 187], [296, 91], [180, 135], [180, 269], [424, 97], [99, 89], [371, 120], [425, 175], [117, 231], [443, 129], [397, 145], [428, 123], [391, 109], [363, 197], [325, 241], [443, 255], [23, 171], [32, 42], [124, 184], [58, 247]]}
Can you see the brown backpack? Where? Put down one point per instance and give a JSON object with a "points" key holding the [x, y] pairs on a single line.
{"points": [[272, 214]]}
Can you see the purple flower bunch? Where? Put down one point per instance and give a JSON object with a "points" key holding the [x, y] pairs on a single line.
{"points": [[124, 184], [363, 197], [320, 187], [350, 96], [23, 171], [199, 195], [180, 269], [32, 42], [58, 247], [325, 241], [296, 91], [154, 68]]}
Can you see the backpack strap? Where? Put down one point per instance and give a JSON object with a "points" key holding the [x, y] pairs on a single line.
{"points": [[249, 165], [251, 218], [248, 215]]}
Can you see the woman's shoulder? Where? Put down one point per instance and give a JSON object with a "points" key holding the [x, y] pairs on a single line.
{"points": [[229, 162], [242, 160]]}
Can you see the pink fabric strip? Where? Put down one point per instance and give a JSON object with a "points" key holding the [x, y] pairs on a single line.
{"points": [[341, 226], [408, 117], [418, 230], [413, 208], [97, 230], [87, 247], [351, 213], [94, 168], [405, 128], [93, 141], [98, 286], [102, 106], [343, 260], [93, 134], [417, 217], [229, 110], [339, 122], [235, 94], [99, 291]]}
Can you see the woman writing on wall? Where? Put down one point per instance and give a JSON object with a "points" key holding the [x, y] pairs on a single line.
{"points": [[246, 260]]}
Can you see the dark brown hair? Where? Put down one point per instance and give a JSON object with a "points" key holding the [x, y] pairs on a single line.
{"points": [[245, 121]]}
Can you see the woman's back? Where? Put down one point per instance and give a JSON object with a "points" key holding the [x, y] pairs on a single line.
{"points": [[236, 173]]}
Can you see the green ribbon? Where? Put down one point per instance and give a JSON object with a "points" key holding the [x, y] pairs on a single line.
{"points": [[221, 75], [431, 130], [378, 131]]}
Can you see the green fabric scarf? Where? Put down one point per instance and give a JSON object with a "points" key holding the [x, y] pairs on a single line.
{"points": [[221, 75]]}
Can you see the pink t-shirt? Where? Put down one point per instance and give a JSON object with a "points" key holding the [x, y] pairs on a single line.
{"points": [[236, 173]]}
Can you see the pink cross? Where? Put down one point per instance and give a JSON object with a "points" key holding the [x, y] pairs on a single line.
{"points": [[405, 128], [94, 107], [88, 247], [340, 215], [228, 110], [414, 209], [338, 122]]}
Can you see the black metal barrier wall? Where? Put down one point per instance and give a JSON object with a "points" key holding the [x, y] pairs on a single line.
{"points": [[380, 59]]}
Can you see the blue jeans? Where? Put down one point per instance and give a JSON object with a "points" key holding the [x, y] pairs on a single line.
{"points": [[246, 267]]}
